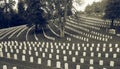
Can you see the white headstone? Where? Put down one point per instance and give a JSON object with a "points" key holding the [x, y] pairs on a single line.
{"points": [[14, 68], [91, 61], [110, 45], [39, 60], [65, 58], [30, 48], [97, 49], [43, 54], [40, 49], [76, 53], [64, 52], [114, 55], [85, 48], [83, 45], [31, 59], [118, 50], [29, 53], [70, 52], [49, 63], [17, 51], [111, 49], [98, 45], [66, 66], [23, 58], [91, 48], [62, 47], [112, 63], [10, 47], [99, 54], [50, 55], [47, 46], [15, 47], [6, 50], [46, 50], [25, 48], [58, 51], [73, 47], [84, 54], [15, 56], [8, 55], [58, 64], [116, 45], [24, 51], [93, 44], [82, 60], [103, 39], [20, 47], [56, 47], [104, 68], [77, 66], [36, 53], [101, 62], [73, 59], [59, 44], [88, 44], [51, 50], [67, 47], [79, 48], [91, 67], [35, 48], [106, 55], [104, 45], [5, 67], [57, 57], [11, 50], [92, 54], [104, 49], [1, 54], [51, 46]]}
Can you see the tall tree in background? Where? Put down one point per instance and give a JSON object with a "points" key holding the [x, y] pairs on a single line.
{"points": [[1, 17], [97, 9], [21, 8], [112, 11], [8, 10]]}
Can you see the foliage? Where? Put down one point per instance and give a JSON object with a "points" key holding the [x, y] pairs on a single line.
{"points": [[96, 9], [112, 11]]}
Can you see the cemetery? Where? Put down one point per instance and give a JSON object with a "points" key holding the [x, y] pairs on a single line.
{"points": [[68, 41]]}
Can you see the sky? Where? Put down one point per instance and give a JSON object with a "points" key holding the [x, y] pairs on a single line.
{"points": [[84, 4]]}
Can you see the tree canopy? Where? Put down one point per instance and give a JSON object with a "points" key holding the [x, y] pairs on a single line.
{"points": [[112, 11], [96, 9]]}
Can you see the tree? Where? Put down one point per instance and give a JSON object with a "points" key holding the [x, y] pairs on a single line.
{"points": [[8, 10], [1, 17], [112, 11], [96, 9], [35, 14], [21, 8]]}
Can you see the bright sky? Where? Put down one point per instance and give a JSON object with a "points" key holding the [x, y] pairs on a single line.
{"points": [[85, 3]]}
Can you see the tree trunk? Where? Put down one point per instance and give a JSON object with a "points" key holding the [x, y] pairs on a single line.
{"points": [[62, 32], [112, 24]]}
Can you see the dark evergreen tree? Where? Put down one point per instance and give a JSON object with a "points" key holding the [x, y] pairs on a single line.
{"points": [[112, 11], [35, 14]]}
